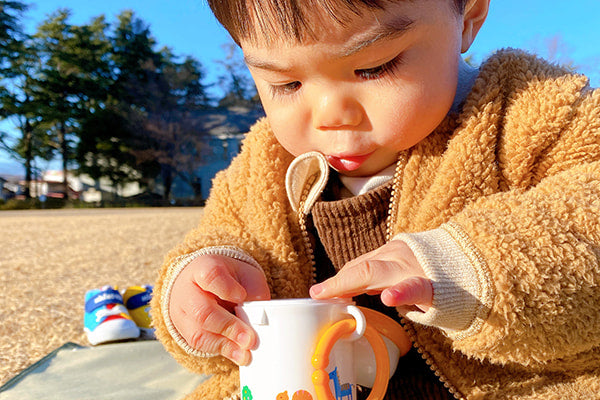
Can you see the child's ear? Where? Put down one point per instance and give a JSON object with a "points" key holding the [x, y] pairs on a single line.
{"points": [[475, 14]]}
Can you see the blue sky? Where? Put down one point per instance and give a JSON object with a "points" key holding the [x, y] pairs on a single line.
{"points": [[564, 31]]}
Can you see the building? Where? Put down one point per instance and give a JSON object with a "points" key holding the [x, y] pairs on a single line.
{"points": [[222, 131], [9, 187], [82, 187], [50, 185], [3, 194]]}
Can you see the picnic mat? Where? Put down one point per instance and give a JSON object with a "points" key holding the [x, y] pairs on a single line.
{"points": [[131, 370]]}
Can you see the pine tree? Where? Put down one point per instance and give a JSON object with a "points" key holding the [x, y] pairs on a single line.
{"points": [[19, 65], [73, 79]]}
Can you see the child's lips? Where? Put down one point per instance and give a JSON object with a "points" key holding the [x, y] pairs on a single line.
{"points": [[347, 163]]}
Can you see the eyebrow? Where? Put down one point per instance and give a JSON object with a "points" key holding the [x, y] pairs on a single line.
{"points": [[262, 64], [388, 30]]}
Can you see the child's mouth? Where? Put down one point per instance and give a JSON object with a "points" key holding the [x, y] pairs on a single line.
{"points": [[347, 163]]}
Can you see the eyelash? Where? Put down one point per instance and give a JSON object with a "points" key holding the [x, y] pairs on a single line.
{"points": [[285, 90], [386, 69]]}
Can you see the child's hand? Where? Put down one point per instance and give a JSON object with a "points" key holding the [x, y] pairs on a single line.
{"points": [[202, 301], [391, 270]]}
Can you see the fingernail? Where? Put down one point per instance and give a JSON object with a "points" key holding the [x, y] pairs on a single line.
{"points": [[239, 356], [244, 339], [316, 290], [239, 296], [390, 297]]}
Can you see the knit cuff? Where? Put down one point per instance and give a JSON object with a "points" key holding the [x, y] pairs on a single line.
{"points": [[462, 291], [175, 269]]}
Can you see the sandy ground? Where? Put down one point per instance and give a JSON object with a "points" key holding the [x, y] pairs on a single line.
{"points": [[50, 258]]}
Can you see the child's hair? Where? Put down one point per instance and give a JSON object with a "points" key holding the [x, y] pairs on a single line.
{"points": [[252, 20]]}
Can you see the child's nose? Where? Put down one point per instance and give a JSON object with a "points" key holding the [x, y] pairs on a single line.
{"points": [[336, 110]]}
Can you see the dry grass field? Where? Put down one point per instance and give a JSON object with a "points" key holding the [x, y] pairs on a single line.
{"points": [[49, 258]]}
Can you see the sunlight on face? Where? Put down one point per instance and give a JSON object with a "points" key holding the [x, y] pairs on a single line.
{"points": [[362, 93]]}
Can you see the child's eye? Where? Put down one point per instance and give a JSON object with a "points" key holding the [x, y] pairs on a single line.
{"points": [[286, 89], [381, 70]]}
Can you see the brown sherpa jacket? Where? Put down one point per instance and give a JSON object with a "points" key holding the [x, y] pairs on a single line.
{"points": [[507, 193]]}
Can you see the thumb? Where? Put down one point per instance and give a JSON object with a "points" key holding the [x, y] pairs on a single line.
{"points": [[415, 290]]}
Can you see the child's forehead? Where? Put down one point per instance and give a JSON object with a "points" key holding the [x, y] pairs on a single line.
{"points": [[298, 22], [315, 19]]}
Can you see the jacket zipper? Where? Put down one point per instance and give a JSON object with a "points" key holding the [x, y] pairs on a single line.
{"points": [[302, 217], [410, 330], [406, 324], [306, 239]]}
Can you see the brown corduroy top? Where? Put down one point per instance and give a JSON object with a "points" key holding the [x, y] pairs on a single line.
{"points": [[347, 229]]}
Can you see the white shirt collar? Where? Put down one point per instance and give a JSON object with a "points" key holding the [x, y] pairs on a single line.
{"points": [[361, 184]]}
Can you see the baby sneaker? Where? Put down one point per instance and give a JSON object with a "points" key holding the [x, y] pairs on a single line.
{"points": [[137, 301], [106, 319]]}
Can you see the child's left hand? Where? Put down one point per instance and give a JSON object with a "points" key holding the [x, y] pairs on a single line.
{"points": [[391, 270]]}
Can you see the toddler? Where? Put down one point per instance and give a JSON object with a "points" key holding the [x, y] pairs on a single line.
{"points": [[464, 202]]}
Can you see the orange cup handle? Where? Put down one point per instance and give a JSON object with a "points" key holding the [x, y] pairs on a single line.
{"points": [[320, 359]]}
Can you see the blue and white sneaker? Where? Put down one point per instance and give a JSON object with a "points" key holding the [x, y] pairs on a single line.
{"points": [[106, 319]]}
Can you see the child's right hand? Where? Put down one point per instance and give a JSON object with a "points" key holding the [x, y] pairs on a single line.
{"points": [[202, 301]]}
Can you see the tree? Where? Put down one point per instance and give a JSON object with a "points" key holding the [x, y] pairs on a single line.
{"points": [[236, 82], [11, 34], [34, 142], [111, 139], [171, 123], [106, 100], [19, 65], [73, 80], [555, 49], [134, 61], [104, 151], [147, 128]]}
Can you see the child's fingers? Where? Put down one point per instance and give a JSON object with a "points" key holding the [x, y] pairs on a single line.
{"points": [[213, 343], [415, 290], [368, 276], [254, 282], [196, 310], [205, 315], [219, 280]]}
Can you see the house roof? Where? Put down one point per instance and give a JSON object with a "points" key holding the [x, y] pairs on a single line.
{"points": [[11, 178], [229, 120]]}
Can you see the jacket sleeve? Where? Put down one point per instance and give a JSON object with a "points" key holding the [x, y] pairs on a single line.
{"points": [[242, 210], [542, 249], [525, 286]]}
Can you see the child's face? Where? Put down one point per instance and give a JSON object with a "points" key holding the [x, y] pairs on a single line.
{"points": [[362, 93]]}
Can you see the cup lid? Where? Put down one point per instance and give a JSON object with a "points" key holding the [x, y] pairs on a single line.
{"points": [[295, 301]]}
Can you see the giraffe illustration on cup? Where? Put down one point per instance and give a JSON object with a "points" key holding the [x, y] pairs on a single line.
{"points": [[341, 391]]}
